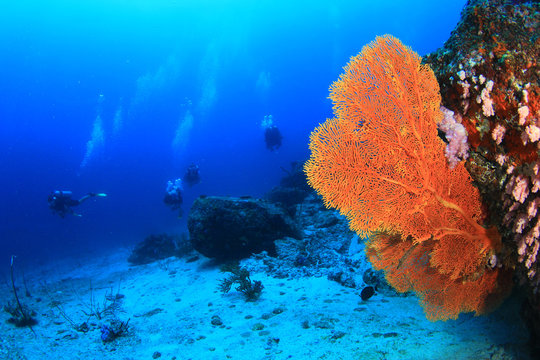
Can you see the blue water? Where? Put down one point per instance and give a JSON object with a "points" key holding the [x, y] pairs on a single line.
{"points": [[120, 96]]}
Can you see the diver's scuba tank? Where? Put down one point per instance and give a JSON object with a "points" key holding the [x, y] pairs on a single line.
{"points": [[62, 193]]}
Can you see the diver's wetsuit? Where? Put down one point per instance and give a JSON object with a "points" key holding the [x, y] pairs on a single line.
{"points": [[273, 138], [61, 202], [192, 176]]}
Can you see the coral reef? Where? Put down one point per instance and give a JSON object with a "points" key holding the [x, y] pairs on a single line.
{"points": [[328, 248], [489, 76], [381, 163]]}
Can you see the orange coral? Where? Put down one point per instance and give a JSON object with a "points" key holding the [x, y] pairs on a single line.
{"points": [[380, 162], [406, 265]]}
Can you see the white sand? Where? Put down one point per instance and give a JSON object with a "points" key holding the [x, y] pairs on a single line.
{"points": [[170, 305]]}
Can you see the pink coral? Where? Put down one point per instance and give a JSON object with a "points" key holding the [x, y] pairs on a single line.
{"points": [[457, 148], [535, 179], [523, 112], [522, 217], [533, 132], [498, 133], [520, 222], [532, 208], [518, 187]]}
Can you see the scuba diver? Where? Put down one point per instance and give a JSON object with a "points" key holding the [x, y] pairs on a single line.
{"points": [[61, 203], [173, 197], [192, 175], [272, 137]]}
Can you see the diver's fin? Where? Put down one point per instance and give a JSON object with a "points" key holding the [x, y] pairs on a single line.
{"points": [[100, 194]]}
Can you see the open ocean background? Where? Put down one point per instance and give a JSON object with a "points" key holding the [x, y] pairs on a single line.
{"points": [[120, 96]]}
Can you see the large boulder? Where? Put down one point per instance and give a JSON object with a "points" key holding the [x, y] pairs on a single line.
{"points": [[234, 228]]}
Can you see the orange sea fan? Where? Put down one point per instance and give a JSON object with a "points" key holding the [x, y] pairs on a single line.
{"points": [[406, 266], [381, 163]]}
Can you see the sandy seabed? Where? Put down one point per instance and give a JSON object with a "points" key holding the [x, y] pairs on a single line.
{"points": [[176, 311]]}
